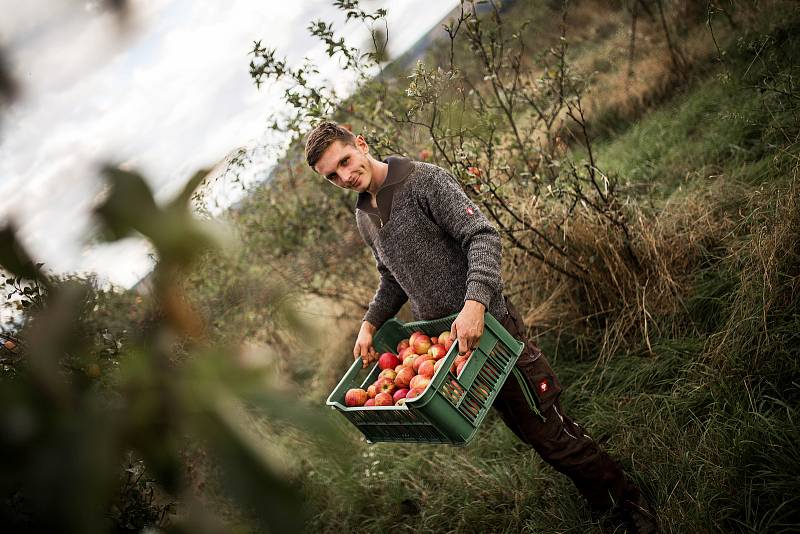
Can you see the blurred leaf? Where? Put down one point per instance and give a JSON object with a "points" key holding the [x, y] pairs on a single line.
{"points": [[247, 475], [194, 182], [9, 90], [14, 258], [175, 233], [129, 206]]}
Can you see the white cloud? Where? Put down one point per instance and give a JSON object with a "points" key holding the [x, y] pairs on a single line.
{"points": [[167, 98]]}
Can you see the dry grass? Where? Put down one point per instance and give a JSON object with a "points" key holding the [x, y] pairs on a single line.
{"points": [[615, 293]]}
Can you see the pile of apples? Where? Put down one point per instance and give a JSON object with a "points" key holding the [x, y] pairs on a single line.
{"points": [[406, 374]]}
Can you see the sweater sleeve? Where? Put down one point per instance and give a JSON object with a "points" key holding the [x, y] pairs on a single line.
{"points": [[452, 210], [389, 297]]}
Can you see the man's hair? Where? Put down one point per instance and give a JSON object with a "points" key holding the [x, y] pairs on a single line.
{"points": [[323, 136]]}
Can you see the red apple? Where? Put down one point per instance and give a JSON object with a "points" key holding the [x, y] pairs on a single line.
{"points": [[388, 361], [385, 385], [426, 368], [355, 397], [458, 361], [397, 369], [400, 394], [420, 382], [460, 367], [402, 345], [437, 351], [409, 361], [421, 358], [414, 336], [383, 399], [372, 391], [482, 392], [406, 352], [421, 344], [413, 393], [404, 376], [445, 338], [370, 402], [434, 340], [388, 373], [437, 365]]}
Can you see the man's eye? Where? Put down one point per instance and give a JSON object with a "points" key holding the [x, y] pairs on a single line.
{"points": [[345, 161]]}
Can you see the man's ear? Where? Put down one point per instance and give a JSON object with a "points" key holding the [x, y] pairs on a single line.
{"points": [[361, 144]]}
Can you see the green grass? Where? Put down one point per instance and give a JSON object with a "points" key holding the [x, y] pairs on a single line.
{"points": [[703, 415], [706, 423]]}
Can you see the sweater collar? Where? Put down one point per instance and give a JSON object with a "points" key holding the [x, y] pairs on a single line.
{"points": [[399, 169]]}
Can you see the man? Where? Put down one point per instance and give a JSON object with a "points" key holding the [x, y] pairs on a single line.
{"points": [[407, 209]]}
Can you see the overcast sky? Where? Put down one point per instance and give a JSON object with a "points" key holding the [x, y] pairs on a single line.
{"points": [[167, 95]]}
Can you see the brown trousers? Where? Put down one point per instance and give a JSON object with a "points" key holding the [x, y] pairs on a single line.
{"points": [[560, 441]]}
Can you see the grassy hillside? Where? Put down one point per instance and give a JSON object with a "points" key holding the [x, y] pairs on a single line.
{"points": [[700, 403]]}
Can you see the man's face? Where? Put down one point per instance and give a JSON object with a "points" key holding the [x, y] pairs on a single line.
{"points": [[346, 166]]}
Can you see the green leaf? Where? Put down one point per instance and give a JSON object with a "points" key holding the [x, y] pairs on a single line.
{"points": [[247, 475], [186, 194], [129, 206], [14, 258]]}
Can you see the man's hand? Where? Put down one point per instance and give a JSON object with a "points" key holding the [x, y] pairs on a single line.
{"points": [[363, 348], [468, 326]]}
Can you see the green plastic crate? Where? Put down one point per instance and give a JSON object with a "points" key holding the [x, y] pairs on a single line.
{"points": [[451, 408]]}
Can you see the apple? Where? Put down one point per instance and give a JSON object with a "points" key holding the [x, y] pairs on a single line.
{"points": [[406, 352], [421, 358], [437, 365], [413, 337], [397, 369], [402, 345], [388, 373], [420, 382], [438, 351], [426, 368], [355, 397], [424, 154], [413, 393], [482, 392], [388, 361], [400, 394], [384, 399], [456, 385], [421, 344], [445, 338], [370, 402], [409, 361], [454, 391], [372, 391], [404, 376], [460, 367], [460, 359], [385, 385]]}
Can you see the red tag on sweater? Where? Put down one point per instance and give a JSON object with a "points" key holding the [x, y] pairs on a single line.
{"points": [[470, 211]]}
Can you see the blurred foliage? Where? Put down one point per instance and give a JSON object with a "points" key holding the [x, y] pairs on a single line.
{"points": [[83, 399]]}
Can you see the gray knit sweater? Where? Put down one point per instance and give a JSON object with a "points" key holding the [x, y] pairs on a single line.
{"points": [[431, 243]]}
